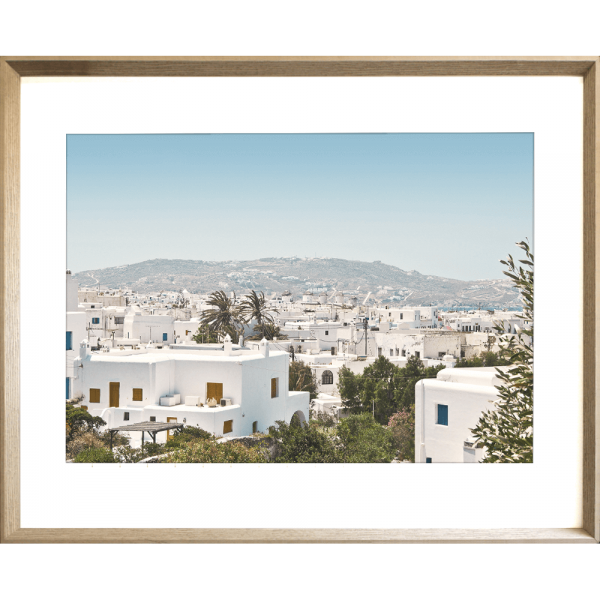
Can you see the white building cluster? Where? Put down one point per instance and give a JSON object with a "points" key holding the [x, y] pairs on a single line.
{"points": [[131, 358]]}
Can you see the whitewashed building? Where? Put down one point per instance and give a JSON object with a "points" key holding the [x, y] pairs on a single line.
{"points": [[158, 328], [447, 408], [75, 331], [224, 389]]}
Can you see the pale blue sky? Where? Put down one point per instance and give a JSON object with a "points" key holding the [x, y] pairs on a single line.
{"points": [[443, 204]]}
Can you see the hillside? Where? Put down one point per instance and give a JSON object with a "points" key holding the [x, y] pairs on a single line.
{"points": [[297, 275]]}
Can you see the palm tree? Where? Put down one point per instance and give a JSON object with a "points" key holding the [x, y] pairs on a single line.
{"points": [[254, 306], [224, 317], [267, 331]]}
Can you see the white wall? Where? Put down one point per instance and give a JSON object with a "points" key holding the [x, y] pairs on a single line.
{"points": [[467, 394], [75, 323], [246, 382], [139, 326]]}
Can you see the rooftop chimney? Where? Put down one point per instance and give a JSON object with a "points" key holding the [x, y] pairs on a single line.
{"points": [[227, 345], [264, 347]]}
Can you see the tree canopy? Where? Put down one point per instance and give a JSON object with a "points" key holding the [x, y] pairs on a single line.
{"points": [[204, 335], [254, 307], [79, 421], [363, 440], [303, 443], [302, 379], [267, 331], [223, 318], [487, 359], [383, 388], [355, 439], [402, 426], [506, 432]]}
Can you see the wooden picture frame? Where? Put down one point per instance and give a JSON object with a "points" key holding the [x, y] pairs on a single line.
{"points": [[12, 69]]}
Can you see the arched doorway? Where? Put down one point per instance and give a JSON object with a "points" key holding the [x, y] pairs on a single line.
{"points": [[298, 418]]}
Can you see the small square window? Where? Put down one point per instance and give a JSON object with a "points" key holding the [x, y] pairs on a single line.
{"points": [[228, 426], [428, 460], [138, 393], [126, 416], [327, 333], [95, 320], [94, 395], [152, 419]]}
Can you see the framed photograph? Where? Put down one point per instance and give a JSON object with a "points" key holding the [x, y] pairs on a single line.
{"points": [[296, 288]]}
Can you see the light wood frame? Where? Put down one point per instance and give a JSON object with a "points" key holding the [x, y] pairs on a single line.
{"points": [[12, 69]]}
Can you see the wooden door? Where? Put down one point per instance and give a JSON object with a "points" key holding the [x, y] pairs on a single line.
{"points": [[214, 390], [114, 394], [169, 431]]}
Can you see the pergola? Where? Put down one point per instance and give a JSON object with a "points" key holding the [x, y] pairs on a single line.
{"points": [[151, 427]]}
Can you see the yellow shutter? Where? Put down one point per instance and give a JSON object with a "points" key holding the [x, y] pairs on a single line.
{"points": [[94, 395], [214, 391], [138, 393], [227, 426], [274, 387]]}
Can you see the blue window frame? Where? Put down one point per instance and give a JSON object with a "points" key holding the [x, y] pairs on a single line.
{"points": [[442, 414], [69, 340], [428, 460], [164, 337], [68, 388], [95, 320]]}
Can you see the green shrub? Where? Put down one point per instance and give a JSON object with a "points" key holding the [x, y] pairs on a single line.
{"points": [[211, 451], [402, 426], [187, 434], [364, 440], [95, 455], [307, 443]]}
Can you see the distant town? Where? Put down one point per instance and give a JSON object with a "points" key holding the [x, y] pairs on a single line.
{"points": [[150, 366]]}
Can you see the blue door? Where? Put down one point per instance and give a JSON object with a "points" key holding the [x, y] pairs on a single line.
{"points": [[69, 340], [164, 337], [68, 388]]}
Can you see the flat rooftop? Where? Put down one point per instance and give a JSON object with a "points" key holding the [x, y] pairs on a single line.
{"points": [[166, 354]]}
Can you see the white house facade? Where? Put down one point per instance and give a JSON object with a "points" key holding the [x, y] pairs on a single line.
{"points": [[75, 331], [226, 390], [447, 408]]}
